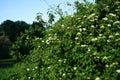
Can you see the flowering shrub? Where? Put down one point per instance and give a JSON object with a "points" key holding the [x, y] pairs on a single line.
{"points": [[79, 47]]}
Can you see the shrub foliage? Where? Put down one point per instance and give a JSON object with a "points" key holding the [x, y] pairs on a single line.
{"points": [[85, 45]]}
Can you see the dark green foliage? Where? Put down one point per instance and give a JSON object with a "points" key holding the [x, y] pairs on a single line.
{"points": [[5, 44], [25, 43], [13, 29]]}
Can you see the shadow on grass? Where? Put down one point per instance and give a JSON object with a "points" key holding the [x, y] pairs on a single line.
{"points": [[6, 63]]}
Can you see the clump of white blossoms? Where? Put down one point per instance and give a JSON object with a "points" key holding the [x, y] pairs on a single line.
{"points": [[118, 71], [75, 68], [28, 69], [105, 19], [92, 26], [116, 22], [111, 14], [102, 26], [63, 74], [97, 78], [94, 39], [111, 36], [76, 38], [84, 45], [117, 34], [90, 16]]}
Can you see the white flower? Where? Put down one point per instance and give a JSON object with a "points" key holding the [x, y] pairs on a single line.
{"points": [[106, 65], [105, 57], [102, 26], [92, 26], [77, 43], [38, 46], [117, 34], [43, 41], [89, 50], [51, 29], [65, 60], [76, 38], [80, 29], [28, 69], [92, 20], [114, 63], [29, 77], [62, 25], [59, 60], [118, 71], [85, 16], [88, 77], [78, 33], [103, 37], [75, 68], [108, 40], [111, 14], [36, 67], [97, 78], [84, 45], [37, 38], [94, 39], [91, 34], [49, 67], [63, 74], [105, 19], [50, 38], [110, 36], [100, 34], [116, 22], [109, 25], [68, 27], [84, 29], [90, 16]]}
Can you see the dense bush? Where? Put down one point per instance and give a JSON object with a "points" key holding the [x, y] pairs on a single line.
{"points": [[25, 43], [83, 46]]}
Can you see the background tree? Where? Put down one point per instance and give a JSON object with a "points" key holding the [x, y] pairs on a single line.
{"points": [[26, 42], [5, 44], [13, 29]]}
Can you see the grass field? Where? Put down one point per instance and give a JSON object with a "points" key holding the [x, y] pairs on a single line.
{"points": [[5, 66]]}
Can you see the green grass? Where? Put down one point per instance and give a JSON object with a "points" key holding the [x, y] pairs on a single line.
{"points": [[6, 66]]}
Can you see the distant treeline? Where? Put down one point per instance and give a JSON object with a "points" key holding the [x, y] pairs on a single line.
{"points": [[10, 31]]}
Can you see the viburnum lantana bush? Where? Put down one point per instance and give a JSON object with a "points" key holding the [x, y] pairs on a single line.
{"points": [[83, 46]]}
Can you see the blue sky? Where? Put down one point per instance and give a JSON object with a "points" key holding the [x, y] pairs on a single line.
{"points": [[25, 10]]}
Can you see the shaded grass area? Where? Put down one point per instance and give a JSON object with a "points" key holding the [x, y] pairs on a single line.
{"points": [[6, 66]]}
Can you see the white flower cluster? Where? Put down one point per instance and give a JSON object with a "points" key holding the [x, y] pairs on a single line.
{"points": [[111, 14], [97, 78], [111, 65], [28, 69], [90, 16], [116, 22], [82, 29], [105, 58], [117, 34], [105, 19], [118, 70], [74, 68], [84, 45], [110, 36], [102, 26], [94, 39], [92, 26]]}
